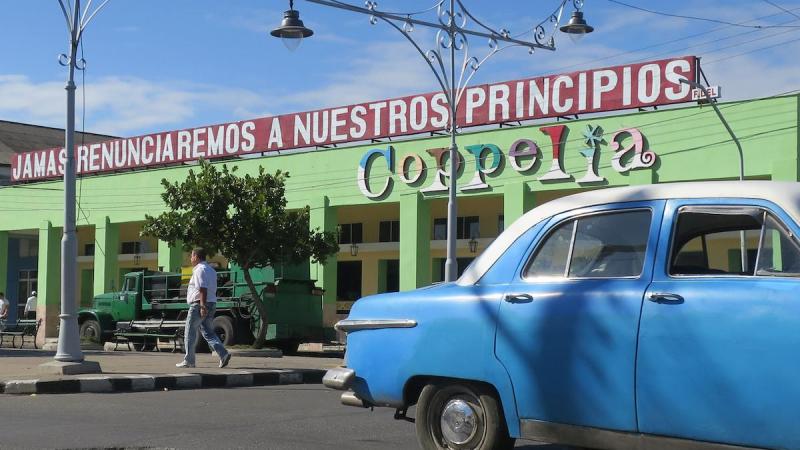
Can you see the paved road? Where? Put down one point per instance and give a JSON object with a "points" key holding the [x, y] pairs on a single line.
{"points": [[290, 417]]}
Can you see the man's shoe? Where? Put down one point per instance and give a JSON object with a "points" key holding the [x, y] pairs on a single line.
{"points": [[184, 365], [224, 361]]}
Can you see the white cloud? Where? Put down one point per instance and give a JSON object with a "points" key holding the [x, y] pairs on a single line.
{"points": [[382, 70], [124, 106]]}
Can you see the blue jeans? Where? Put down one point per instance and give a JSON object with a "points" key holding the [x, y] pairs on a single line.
{"points": [[206, 326]]}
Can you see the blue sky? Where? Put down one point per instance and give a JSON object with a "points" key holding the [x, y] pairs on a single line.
{"points": [[163, 65]]}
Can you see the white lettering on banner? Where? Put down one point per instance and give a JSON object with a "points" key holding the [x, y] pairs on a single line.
{"points": [[376, 108], [360, 125], [275, 136], [558, 106], [601, 87], [476, 97], [438, 105], [605, 89], [397, 114], [248, 138], [498, 97], [336, 123]]}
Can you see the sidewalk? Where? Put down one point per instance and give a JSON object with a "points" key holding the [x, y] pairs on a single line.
{"points": [[125, 371]]}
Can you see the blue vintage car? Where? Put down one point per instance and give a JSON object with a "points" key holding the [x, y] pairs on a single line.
{"points": [[662, 316]]}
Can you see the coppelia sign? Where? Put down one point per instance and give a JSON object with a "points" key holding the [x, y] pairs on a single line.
{"points": [[607, 89], [523, 155]]}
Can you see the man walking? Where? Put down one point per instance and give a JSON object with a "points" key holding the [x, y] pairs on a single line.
{"points": [[202, 299]]}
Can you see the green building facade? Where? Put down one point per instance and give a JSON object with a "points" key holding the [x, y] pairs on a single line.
{"points": [[386, 199]]}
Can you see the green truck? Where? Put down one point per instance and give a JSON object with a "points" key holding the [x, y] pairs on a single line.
{"points": [[293, 304]]}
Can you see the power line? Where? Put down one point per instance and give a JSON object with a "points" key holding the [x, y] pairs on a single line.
{"points": [[679, 16], [782, 8]]}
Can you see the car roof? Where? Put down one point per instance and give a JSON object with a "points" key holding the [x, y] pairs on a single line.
{"points": [[784, 194]]}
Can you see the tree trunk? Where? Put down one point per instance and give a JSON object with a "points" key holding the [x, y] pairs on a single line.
{"points": [[262, 310]]}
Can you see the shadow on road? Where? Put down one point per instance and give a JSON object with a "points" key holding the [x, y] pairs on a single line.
{"points": [[19, 353]]}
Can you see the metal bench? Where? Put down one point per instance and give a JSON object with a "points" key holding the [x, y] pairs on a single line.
{"points": [[145, 333], [20, 328]]}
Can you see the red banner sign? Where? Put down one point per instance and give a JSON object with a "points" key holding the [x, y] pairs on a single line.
{"points": [[612, 88]]}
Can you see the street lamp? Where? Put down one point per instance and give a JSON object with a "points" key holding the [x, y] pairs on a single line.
{"points": [[292, 30], [69, 358], [353, 249], [451, 25], [473, 245]]}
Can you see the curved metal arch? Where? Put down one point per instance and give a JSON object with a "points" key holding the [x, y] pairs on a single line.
{"points": [[427, 56], [477, 65]]}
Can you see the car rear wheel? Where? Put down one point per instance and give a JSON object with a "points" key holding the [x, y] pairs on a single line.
{"points": [[460, 416]]}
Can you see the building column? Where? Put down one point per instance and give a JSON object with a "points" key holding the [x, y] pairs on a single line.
{"points": [[517, 200], [48, 293], [106, 256], [415, 241], [170, 258], [323, 217], [4, 261]]}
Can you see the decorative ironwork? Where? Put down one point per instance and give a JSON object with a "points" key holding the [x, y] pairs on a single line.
{"points": [[455, 24]]}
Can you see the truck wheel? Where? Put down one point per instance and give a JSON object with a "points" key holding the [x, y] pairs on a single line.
{"points": [[462, 416], [90, 330], [223, 326]]}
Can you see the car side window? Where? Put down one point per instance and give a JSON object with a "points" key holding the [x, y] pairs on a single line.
{"points": [[742, 241], [551, 257], [596, 246], [780, 252]]}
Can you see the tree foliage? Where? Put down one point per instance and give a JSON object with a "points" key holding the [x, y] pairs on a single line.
{"points": [[242, 217]]}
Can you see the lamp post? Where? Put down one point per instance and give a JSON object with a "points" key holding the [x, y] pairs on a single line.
{"points": [[69, 358], [713, 102], [451, 38]]}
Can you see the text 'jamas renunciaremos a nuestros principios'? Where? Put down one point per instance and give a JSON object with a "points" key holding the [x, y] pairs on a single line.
{"points": [[613, 88]]}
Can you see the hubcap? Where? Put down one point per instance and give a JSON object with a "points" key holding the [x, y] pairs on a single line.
{"points": [[458, 421]]}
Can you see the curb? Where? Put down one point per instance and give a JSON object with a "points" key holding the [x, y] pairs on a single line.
{"points": [[139, 383]]}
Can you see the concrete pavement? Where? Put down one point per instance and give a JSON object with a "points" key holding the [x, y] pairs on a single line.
{"points": [[125, 371]]}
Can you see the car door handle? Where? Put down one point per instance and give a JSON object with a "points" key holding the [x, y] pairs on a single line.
{"points": [[665, 297], [518, 298]]}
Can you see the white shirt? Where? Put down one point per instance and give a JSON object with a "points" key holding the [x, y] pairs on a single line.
{"points": [[203, 276], [4, 304], [30, 305]]}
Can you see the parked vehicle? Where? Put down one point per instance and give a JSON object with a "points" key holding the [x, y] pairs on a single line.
{"points": [[662, 316], [293, 306]]}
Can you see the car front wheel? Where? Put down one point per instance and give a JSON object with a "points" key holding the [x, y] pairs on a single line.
{"points": [[460, 416]]}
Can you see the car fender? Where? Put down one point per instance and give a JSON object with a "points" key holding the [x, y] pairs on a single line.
{"points": [[452, 337]]}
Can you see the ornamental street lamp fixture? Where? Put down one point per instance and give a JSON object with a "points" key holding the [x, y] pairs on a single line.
{"points": [[353, 249], [69, 358], [450, 23], [577, 27], [473, 245], [292, 31]]}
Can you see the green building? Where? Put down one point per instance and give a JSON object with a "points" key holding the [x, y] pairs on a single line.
{"points": [[386, 199]]}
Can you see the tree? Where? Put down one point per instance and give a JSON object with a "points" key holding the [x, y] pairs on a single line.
{"points": [[244, 218]]}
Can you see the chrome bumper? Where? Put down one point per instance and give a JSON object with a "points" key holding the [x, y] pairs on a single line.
{"points": [[339, 378], [350, 398]]}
